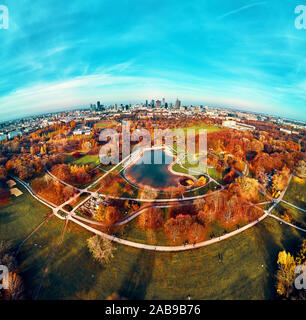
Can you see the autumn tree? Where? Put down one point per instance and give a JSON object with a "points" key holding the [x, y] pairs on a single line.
{"points": [[101, 249], [111, 215], [148, 193], [285, 274], [184, 228], [280, 179], [152, 218], [301, 169]]}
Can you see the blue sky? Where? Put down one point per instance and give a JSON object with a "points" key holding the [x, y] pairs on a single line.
{"points": [[241, 53]]}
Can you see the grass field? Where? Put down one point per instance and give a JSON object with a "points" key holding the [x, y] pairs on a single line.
{"points": [[36, 253], [202, 126], [216, 175], [87, 160], [296, 194], [101, 125], [20, 216], [298, 216], [246, 271]]}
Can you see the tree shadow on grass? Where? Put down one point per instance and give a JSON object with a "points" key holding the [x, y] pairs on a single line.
{"points": [[134, 287], [266, 241], [7, 217]]}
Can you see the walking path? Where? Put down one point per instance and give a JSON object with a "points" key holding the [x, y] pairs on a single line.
{"points": [[45, 202], [292, 205], [168, 248], [76, 219], [288, 223]]}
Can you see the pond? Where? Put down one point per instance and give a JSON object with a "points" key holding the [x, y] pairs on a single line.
{"points": [[155, 174]]}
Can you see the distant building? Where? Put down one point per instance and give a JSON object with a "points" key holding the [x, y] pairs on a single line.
{"points": [[240, 126], [229, 124], [14, 134], [285, 130], [3, 136], [82, 131]]}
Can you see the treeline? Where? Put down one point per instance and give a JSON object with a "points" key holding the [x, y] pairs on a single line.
{"points": [[73, 174], [26, 166], [52, 190], [4, 189], [191, 223]]}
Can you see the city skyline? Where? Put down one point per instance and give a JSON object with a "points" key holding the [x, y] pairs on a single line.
{"points": [[246, 55]]}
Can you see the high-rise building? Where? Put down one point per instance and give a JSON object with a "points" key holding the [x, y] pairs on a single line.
{"points": [[152, 104], [177, 104], [158, 103], [164, 102], [98, 105]]}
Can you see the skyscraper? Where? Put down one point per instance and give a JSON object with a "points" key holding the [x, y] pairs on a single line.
{"points": [[177, 104]]}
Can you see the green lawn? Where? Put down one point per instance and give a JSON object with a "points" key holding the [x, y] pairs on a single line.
{"points": [[20, 216], [298, 216], [202, 126], [87, 160], [37, 253], [249, 262], [296, 194], [216, 175], [101, 125], [246, 272]]}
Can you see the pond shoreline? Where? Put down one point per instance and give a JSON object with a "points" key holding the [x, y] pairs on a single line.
{"points": [[179, 175]]}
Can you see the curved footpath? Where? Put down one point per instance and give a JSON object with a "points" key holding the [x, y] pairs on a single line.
{"points": [[168, 248], [72, 217], [160, 248]]}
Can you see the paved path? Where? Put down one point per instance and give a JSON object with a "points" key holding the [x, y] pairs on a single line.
{"points": [[165, 248], [145, 246], [292, 205], [288, 223], [168, 248], [71, 216], [138, 212], [43, 201]]}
